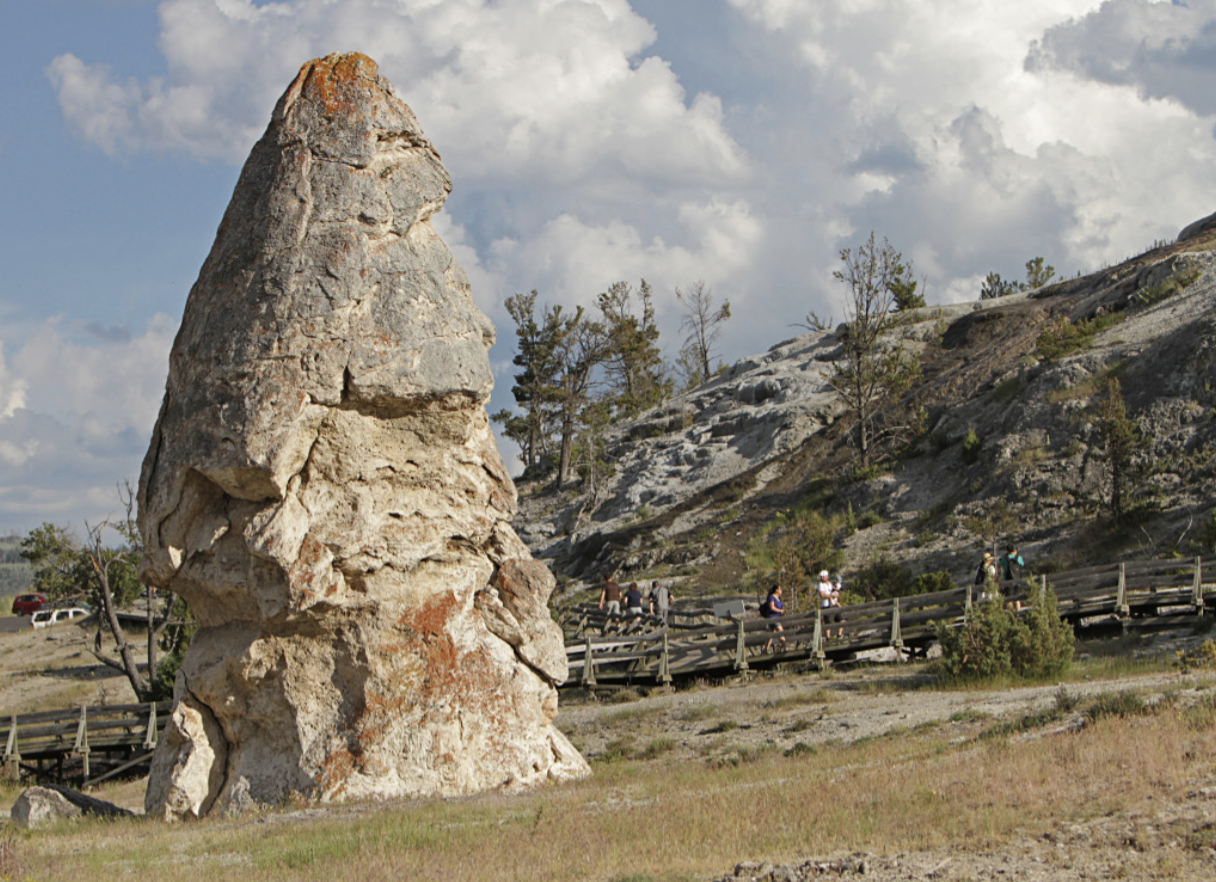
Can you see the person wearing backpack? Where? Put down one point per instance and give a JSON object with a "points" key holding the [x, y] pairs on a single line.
{"points": [[773, 608], [985, 576]]}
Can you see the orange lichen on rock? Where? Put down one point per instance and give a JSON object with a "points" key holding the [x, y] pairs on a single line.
{"points": [[334, 81]]}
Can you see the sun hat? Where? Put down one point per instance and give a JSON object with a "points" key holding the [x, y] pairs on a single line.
{"points": [[823, 574]]}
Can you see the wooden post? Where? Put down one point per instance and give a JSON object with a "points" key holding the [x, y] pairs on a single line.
{"points": [[817, 640], [1043, 588], [150, 736], [588, 664], [665, 664], [897, 639], [741, 650], [967, 608], [1121, 607], [1197, 588], [82, 741], [12, 751]]}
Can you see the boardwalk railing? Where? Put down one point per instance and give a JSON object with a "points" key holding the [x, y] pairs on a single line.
{"points": [[85, 744], [643, 650]]}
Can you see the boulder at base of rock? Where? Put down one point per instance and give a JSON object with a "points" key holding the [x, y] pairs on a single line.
{"points": [[38, 805], [323, 489]]}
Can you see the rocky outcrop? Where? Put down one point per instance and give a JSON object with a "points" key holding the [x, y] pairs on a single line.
{"points": [[704, 480], [323, 488]]}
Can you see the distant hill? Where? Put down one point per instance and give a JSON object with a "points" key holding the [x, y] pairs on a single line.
{"points": [[1009, 446]]}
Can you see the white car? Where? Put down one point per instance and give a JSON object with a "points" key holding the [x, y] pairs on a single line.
{"points": [[44, 618]]}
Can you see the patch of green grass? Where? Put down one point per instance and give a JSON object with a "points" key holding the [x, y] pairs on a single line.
{"points": [[615, 751], [695, 713], [656, 748], [969, 715], [801, 748], [800, 699], [1115, 704]]}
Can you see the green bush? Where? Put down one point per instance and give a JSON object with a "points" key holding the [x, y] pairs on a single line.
{"points": [[993, 642], [971, 446], [1042, 642], [883, 578], [927, 583]]}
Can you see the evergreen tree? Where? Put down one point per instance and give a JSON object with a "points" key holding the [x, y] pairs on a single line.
{"points": [[903, 287], [535, 390], [1120, 440], [633, 362], [582, 349], [873, 369]]}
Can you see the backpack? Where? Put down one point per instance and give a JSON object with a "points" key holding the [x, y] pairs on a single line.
{"points": [[766, 608]]}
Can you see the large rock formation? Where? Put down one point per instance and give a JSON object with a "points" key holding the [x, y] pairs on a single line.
{"points": [[323, 488]]}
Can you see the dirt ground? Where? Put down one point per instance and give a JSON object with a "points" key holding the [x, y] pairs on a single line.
{"points": [[1175, 839], [52, 668]]}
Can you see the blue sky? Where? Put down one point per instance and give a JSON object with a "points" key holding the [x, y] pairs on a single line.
{"points": [[742, 142]]}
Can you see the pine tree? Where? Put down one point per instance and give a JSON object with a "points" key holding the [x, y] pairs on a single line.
{"points": [[633, 362], [1120, 440], [872, 369]]}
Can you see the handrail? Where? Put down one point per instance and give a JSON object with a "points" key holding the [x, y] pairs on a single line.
{"points": [[1117, 588]]}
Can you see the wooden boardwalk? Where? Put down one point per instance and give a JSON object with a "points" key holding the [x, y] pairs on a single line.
{"points": [[84, 745], [644, 651]]}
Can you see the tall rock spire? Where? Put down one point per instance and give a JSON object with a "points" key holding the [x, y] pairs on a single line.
{"points": [[323, 488]]}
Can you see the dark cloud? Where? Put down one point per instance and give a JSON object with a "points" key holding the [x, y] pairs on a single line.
{"points": [[1162, 50]]}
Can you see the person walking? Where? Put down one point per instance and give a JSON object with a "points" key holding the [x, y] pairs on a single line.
{"points": [[1011, 566], [829, 601], [610, 600], [633, 600], [660, 600], [985, 577], [774, 608]]}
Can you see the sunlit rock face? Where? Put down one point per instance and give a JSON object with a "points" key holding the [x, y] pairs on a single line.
{"points": [[323, 488]]}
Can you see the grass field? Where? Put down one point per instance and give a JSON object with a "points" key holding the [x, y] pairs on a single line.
{"points": [[650, 819]]}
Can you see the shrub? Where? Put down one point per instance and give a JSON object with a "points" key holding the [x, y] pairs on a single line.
{"points": [[993, 642], [1058, 338], [927, 583], [883, 578], [971, 446], [870, 519], [981, 647], [1042, 642]]}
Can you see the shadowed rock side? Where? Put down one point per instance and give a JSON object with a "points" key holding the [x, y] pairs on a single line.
{"points": [[323, 488]]}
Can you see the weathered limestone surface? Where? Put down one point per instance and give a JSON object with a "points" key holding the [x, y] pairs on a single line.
{"points": [[323, 488]]}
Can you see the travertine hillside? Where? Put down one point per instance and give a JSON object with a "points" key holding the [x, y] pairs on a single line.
{"points": [[699, 479]]}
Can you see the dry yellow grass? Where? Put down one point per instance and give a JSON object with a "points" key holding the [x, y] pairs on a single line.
{"points": [[678, 821]]}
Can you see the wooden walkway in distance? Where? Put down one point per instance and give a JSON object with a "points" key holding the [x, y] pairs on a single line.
{"points": [[643, 651], [85, 745]]}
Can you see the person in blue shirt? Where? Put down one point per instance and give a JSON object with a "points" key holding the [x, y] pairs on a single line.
{"points": [[773, 608], [633, 600], [1011, 565]]}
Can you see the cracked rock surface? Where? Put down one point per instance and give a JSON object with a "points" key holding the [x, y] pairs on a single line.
{"points": [[323, 489]]}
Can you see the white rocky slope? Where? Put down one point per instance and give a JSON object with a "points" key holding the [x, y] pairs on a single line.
{"points": [[717, 456]]}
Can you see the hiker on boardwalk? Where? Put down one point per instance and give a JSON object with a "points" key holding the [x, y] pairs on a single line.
{"points": [[829, 601], [610, 599], [633, 600], [773, 608], [985, 577], [660, 600], [1011, 566]]}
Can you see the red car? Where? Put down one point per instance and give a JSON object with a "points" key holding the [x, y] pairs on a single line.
{"points": [[25, 604]]}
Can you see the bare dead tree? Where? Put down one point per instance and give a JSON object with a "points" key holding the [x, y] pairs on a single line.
{"points": [[115, 569], [703, 321]]}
